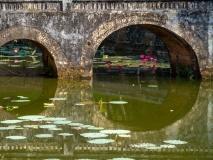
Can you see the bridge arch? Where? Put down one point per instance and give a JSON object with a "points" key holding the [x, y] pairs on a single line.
{"points": [[49, 47], [184, 45]]}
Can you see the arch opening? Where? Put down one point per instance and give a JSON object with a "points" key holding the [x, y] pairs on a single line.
{"points": [[172, 54], [24, 57]]}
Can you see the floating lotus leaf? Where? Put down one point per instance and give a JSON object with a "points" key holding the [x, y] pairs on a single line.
{"points": [[121, 159], [95, 128], [94, 135], [20, 128], [76, 124], [118, 102], [153, 148], [6, 128], [11, 121], [65, 134], [124, 135], [51, 159], [48, 104], [175, 142], [20, 101], [87, 126], [115, 131], [47, 126], [30, 126], [31, 117], [58, 99], [54, 119], [23, 97], [44, 135], [101, 141], [143, 145], [168, 146], [16, 137], [55, 129], [62, 122]]}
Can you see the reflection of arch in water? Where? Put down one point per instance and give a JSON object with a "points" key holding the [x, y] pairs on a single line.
{"points": [[149, 115], [38, 89]]}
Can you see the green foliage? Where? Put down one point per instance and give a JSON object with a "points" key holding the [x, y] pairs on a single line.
{"points": [[185, 72]]}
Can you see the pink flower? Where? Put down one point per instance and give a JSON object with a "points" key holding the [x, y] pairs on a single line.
{"points": [[150, 52], [155, 60], [151, 58], [109, 70], [141, 62], [109, 64], [119, 69], [16, 51], [142, 56], [120, 66], [147, 56], [156, 67], [164, 56], [16, 61], [151, 66], [145, 59]]}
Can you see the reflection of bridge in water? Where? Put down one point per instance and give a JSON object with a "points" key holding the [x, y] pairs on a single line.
{"points": [[196, 123]]}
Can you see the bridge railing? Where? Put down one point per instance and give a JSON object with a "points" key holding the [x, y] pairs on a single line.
{"points": [[140, 5], [31, 6]]}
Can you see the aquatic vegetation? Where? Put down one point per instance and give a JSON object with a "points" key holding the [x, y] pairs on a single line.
{"points": [[54, 119], [152, 86], [153, 147], [30, 126], [101, 141], [124, 135], [55, 129], [94, 135], [49, 104], [65, 134], [31, 117], [118, 102], [11, 121], [62, 122], [47, 126], [58, 99], [44, 135], [115, 131], [175, 142], [95, 128], [79, 104], [168, 146], [75, 124], [20, 100], [16, 137]]}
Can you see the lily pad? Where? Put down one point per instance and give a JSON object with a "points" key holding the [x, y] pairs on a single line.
{"points": [[79, 104], [55, 129], [168, 146], [31, 117], [62, 122], [54, 119], [11, 121], [44, 135], [175, 142], [95, 128], [16, 137], [94, 135], [58, 99], [153, 148], [75, 124], [65, 134], [124, 135], [101, 141], [121, 159], [152, 86], [118, 102], [20, 101], [30, 126], [47, 126], [115, 131]]}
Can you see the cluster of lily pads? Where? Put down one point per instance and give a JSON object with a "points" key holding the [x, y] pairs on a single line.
{"points": [[168, 144], [52, 123]]}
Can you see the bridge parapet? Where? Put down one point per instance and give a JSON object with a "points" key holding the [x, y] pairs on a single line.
{"points": [[31, 6], [140, 5]]}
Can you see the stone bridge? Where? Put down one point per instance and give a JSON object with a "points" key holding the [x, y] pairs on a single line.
{"points": [[69, 32]]}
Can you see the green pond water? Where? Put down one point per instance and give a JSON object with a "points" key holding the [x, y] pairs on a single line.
{"points": [[108, 117]]}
